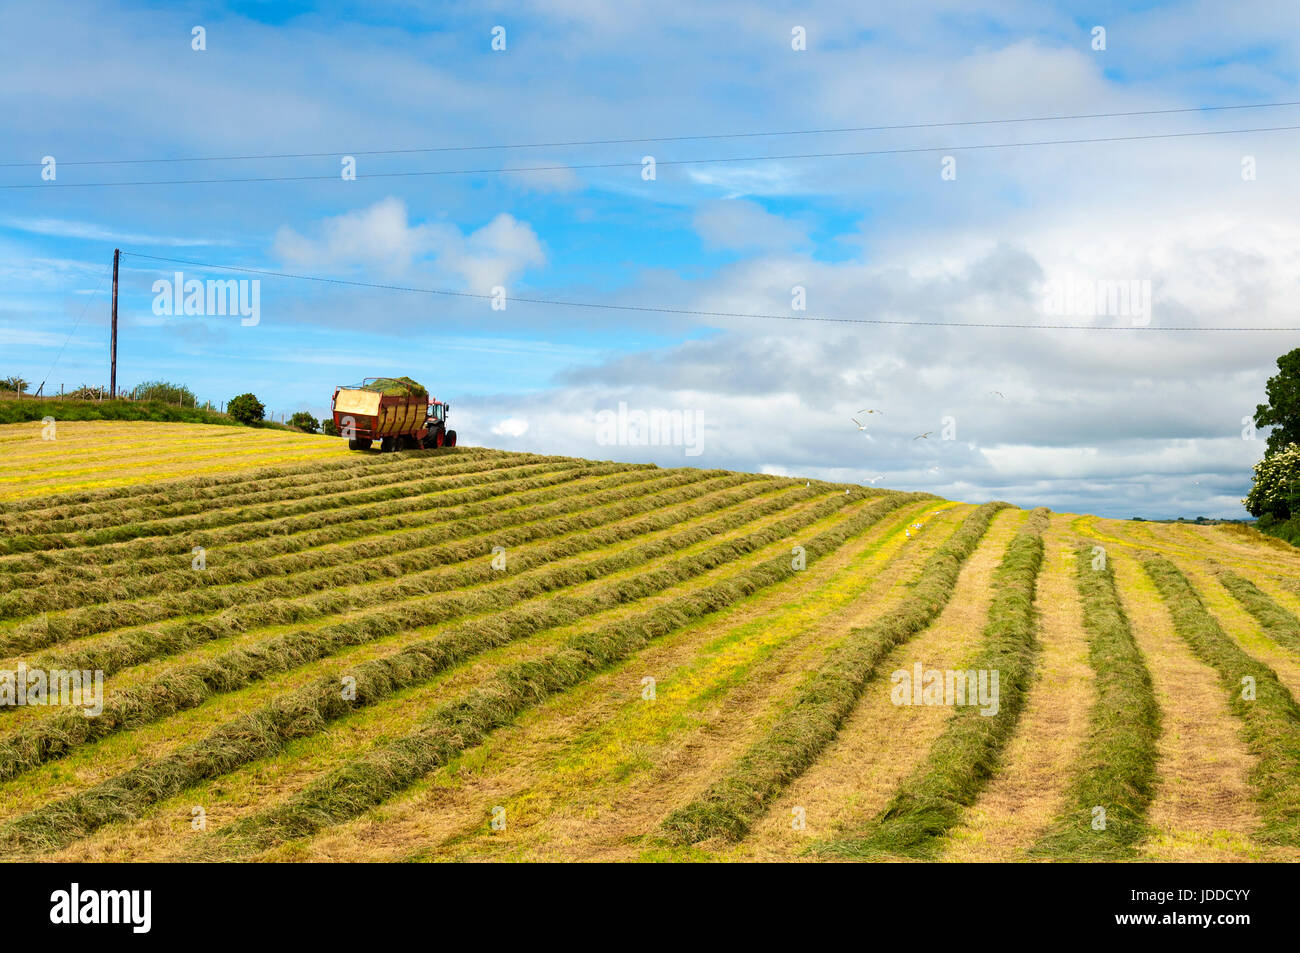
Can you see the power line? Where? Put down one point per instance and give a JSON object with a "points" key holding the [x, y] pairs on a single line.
{"points": [[77, 324], [664, 162], [689, 138], [649, 309]]}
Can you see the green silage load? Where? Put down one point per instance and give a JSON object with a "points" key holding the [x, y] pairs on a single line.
{"points": [[397, 387]]}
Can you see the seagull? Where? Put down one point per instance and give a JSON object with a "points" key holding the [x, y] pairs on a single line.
{"points": [[880, 476], [934, 469], [922, 436], [861, 426], [808, 483], [999, 393], [869, 411]]}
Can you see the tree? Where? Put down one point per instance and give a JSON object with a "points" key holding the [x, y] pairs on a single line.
{"points": [[165, 391], [246, 409], [1282, 412], [15, 384], [1276, 493], [304, 422], [328, 428]]}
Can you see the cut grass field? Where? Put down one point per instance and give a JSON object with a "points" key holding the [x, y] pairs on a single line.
{"points": [[311, 654]]}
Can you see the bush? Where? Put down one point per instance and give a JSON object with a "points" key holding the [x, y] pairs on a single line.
{"points": [[1276, 493], [328, 428], [166, 392], [304, 422], [246, 408], [15, 384]]}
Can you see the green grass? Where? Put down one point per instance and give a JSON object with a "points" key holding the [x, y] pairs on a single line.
{"points": [[458, 725], [306, 711], [1280, 625], [1116, 770], [730, 806], [35, 408], [933, 799], [1271, 720]]}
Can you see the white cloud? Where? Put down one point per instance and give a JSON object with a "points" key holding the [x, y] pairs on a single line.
{"points": [[382, 238]]}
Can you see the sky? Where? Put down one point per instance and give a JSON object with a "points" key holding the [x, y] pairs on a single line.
{"points": [[469, 183]]}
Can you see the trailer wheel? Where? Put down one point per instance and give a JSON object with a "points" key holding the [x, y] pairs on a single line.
{"points": [[359, 443], [387, 445], [451, 439]]}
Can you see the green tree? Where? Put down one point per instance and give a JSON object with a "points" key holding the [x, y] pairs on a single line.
{"points": [[15, 384], [304, 421], [1276, 493], [1282, 412], [328, 427], [246, 408], [165, 391]]}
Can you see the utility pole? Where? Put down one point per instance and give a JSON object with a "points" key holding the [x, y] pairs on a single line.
{"points": [[112, 347]]}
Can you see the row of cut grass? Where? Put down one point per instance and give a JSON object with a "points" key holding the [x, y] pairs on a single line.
{"points": [[446, 477], [175, 502], [1282, 626], [220, 485], [1271, 719], [223, 583], [241, 560], [54, 736], [1116, 769], [931, 801], [461, 724], [731, 805], [387, 584], [305, 712], [283, 528]]}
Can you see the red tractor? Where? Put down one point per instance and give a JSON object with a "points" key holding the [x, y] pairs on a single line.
{"points": [[396, 411]]}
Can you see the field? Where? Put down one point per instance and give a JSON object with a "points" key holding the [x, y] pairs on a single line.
{"points": [[311, 654]]}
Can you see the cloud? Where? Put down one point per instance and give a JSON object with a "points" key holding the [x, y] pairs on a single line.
{"points": [[742, 225], [381, 238], [511, 427]]}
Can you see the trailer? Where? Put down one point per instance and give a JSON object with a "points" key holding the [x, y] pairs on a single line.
{"points": [[396, 411]]}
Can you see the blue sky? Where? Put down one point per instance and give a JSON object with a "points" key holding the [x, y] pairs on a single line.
{"points": [[1119, 423]]}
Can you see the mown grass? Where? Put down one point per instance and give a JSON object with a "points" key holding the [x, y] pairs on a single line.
{"points": [[248, 559], [189, 686], [306, 711], [452, 477], [454, 727], [1116, 768], [932, 800], [1280, 625], [751, 657], [730, 806], [323, 481], [268, 530], [1271, 718], [250, 584]]}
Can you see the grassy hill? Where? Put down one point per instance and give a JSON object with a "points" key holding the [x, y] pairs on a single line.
{"points": [[311, 654]]}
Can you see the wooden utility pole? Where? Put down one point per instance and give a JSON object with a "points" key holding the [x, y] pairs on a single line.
{"points": [[112, 347]]}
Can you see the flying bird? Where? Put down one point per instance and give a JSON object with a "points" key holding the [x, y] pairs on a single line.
{"points": [[879, 476], [861, 426], [999, 393], [922, 436], [868, 411]]}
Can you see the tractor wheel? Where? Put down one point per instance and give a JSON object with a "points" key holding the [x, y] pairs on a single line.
{"points": [[359, 443], [387, 445], [451, 439]]}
